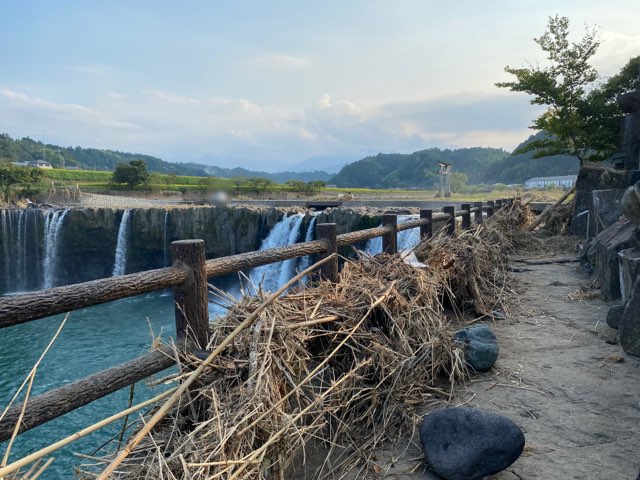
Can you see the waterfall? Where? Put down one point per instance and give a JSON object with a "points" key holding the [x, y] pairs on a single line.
{"points": [[407, 239], [305, 261], [165, 240], [285, 232], [120, 263], [52, 228], [6, 245]]}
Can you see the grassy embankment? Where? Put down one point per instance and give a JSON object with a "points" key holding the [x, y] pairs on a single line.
{"points": [[99, 182]]}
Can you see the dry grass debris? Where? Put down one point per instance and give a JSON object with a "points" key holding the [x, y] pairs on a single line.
{"points": [[341, 366]]}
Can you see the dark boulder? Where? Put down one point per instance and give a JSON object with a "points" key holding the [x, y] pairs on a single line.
{"points": [[468, 444], [617, 237], [629, 331], [630, 203], [593, 177], [606, 208], [480, 346], [614, 316]]}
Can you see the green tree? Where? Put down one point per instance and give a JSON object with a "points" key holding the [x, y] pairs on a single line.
{"points": [[458, 181], [295, 185], [260, 184], [562, 86], [315, 186], [18, 182], [132, 173]]}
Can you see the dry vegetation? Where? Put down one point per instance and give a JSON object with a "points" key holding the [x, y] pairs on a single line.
{"points": [[341, 367]]}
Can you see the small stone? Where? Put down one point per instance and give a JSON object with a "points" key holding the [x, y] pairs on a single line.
{"points": [[614, 316], [468, 444], [480, 346]]}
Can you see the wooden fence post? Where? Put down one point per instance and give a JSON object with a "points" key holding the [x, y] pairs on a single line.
{"points": [[327, 232], [477, 216], [466, 216], [451, 221], [491, 208], [426, 231], [498, 204], [191, 298], [390, 239]]}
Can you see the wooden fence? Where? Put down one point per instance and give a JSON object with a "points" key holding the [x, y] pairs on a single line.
{"points": [[188, 277]]}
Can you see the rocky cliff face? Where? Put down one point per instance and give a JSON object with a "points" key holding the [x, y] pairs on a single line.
{"points": [[87, 241]]}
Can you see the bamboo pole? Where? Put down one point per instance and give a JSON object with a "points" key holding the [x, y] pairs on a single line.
{"points": [[544, 214], [12, 467], [153, 421]]}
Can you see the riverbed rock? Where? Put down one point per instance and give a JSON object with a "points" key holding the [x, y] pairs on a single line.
{"points": [[480, 346], [606, 208], [629, 331], [593, 177], [468, 443], [630, 204], [614, 316], [619, 236]]}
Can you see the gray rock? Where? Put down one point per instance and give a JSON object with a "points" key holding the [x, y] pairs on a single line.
{"points": [[480, 346], [605, 207], [468, 444], [629, 264], [629, 331], [617, 237], [593, 177], [614, 316], [630, 204]]}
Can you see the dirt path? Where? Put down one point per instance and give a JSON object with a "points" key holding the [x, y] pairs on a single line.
{"points": [[562, 378]]}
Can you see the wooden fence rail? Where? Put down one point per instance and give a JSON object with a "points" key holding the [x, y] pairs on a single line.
{"points": [[188, 278]]}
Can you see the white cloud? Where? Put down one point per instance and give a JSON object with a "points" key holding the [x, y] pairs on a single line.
{"points": [[615, 51], [231, 132]]}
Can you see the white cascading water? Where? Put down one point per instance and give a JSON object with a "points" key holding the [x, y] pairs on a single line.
{"points": [[285, 232], [305, 261], [165, 240], [407, 239], [52, 228], [6, 245], [120, 262]]}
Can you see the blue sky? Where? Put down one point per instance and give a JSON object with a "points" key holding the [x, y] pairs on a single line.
{"points": [[270, 85]]}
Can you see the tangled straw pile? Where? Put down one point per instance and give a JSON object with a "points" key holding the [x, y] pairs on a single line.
{"points": [[340, 366], [472, 264]]}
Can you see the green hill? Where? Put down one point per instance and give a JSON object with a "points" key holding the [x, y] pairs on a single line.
{"points": [[26, 150], [418, 169]]}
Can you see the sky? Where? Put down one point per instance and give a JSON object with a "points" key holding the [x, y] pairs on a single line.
{"points": [[282, 85]]}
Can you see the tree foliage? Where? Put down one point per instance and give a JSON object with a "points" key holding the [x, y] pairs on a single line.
{"points": [[132, 173], [582, 117], [18, 182]]}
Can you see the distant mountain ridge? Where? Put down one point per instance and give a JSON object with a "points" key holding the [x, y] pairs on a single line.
{"points": [[384, 170], [26, 149], [482, 165], [417, 170]]}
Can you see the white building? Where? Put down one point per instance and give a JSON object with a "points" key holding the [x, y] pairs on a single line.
{"points": [[564, 181]]}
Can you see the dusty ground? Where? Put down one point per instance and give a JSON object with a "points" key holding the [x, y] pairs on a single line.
{"points": [[562, 378]]}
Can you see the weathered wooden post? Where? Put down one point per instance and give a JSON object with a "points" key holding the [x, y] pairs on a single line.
{"points": [[327, 232], [191, 298], [390, 239], [466, 216], [426, 231], [490, 208], [451, 221], [477, 215], [498, 204]]}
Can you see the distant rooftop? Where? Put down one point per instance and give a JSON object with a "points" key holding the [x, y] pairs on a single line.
{"points": [[561, 177]]}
